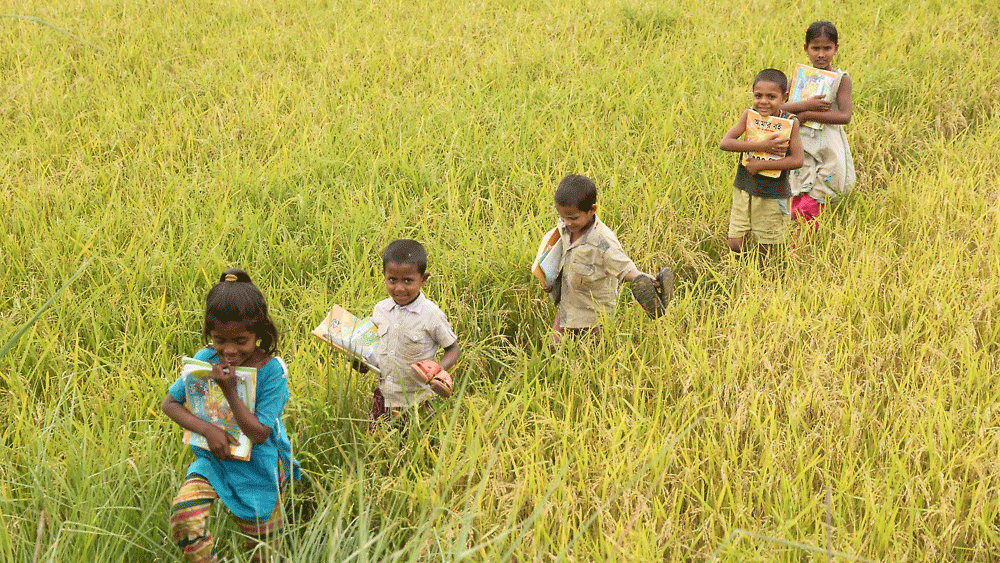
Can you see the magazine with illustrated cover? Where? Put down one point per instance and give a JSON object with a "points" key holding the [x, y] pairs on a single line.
{"points": [[546, 263], [758, 128], [356, 337], [204, 398], [809, 82], [545, 267]]}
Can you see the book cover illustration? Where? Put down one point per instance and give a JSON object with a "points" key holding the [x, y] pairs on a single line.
{"points": [[545, 267], [758, 129], [546, 263], [809, 82], [204, 398], [356, 337]]}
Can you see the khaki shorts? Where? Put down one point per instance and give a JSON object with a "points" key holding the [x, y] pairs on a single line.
{"points": [[767, 219]]}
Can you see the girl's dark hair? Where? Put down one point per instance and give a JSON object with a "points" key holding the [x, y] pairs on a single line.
{"points": [[822, 28], [236, 299]]}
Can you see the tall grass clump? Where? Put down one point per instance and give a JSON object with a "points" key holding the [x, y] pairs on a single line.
{"points": [[838, 406]]}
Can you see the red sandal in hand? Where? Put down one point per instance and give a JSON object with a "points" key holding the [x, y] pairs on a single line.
{"points": [[431, 373]]}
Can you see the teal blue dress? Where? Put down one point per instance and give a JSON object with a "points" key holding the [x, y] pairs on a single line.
{"points": [[250, 489]]}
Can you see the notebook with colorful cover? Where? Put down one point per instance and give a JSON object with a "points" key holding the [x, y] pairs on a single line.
{"points": [[758, 128], [204, 398], [545, 267], [356, 337], [809, 82]]}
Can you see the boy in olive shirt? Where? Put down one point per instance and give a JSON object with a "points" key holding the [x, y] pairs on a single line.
{"points": [[593, 263]]}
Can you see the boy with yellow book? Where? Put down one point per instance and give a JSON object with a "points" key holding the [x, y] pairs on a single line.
{"points": [[760, 201]]}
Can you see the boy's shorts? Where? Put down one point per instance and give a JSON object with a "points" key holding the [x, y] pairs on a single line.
{"points": [[559, 333], [397, 416], [767, 219]]}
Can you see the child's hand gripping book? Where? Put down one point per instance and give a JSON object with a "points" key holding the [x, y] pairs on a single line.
{"points": [[809, 82], [358, 338], [546, 264], [758, 129], [205, 400]]}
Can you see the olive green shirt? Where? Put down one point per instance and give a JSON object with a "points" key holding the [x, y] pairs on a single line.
{"points": [[590, 271]]}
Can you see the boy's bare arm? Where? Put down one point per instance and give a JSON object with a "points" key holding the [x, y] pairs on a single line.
{"points": [[636, 273], [731, 140], [450, 356]]}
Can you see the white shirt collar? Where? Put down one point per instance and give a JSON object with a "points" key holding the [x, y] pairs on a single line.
{"points": [[412, 306]]}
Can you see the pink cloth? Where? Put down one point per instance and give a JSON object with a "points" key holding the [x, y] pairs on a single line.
{"points": [[806, 209]]}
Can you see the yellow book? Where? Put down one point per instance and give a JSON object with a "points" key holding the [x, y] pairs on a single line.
{"points": [[758, 129], [809, 82]]}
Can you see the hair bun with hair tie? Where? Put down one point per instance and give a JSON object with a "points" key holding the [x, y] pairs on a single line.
{"points": [[231, 277]]}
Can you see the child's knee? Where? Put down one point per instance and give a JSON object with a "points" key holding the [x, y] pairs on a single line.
{"points": [[735, 244], [189, 518], [189, 531], [189, 524]]}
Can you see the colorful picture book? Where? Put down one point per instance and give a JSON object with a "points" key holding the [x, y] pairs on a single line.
{"points": [[758, 129], [356, 337], [546, 264], [205, 400], [809, 82], [545, 267]]}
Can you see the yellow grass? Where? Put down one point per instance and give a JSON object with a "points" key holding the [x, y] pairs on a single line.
{"points": [[839, 407]]}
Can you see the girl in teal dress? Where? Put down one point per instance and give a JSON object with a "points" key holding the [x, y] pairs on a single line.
{"points": [[240, 333]]}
